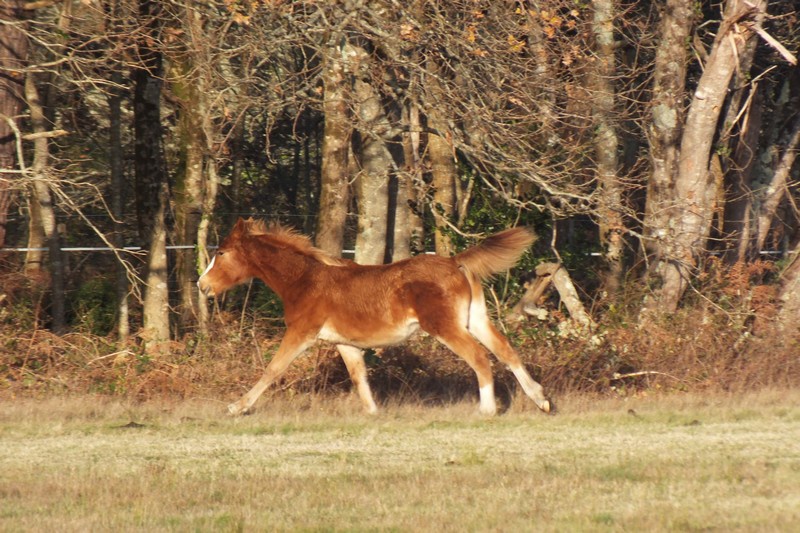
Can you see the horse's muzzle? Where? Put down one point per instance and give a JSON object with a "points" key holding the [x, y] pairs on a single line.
{"points": [[205, 288]]}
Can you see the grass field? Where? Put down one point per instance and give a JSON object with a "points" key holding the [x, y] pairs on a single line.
{"points": [[681, 462]]}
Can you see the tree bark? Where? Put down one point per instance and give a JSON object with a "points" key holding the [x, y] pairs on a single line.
{"points": [[789, 297], [740, 136], [209, 200], [372, 182], [555, 273], [155, 309], [695, 191], [772, 195], [149, 165], [441, 156], [13, 57], [738, 221], [42, 184], [189, 180], [665, 127], [409, 230], [117, 206], [34, 257], [151, 184], [444, 178], [606, 144], [335, 190]]}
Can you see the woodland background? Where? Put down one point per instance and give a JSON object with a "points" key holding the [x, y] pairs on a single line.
{"points": [[650, 144]]}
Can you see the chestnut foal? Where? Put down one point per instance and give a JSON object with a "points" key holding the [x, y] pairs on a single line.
{"points": [[368, 306]]}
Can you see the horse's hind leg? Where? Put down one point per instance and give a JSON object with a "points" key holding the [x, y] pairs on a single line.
{"points": [[354, 361], [482, 328], [292, 345], [464, 345]]}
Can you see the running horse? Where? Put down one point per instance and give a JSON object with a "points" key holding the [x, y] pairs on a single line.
{"points": [[370, 306]]}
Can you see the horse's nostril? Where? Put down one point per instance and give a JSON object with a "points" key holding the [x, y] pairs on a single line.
{"points": [[205, 289]]}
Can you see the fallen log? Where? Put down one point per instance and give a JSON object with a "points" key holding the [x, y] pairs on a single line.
{"points": [[554, 274]]}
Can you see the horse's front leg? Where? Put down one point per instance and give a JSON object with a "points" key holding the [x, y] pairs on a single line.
{"points": [[292, 345]]}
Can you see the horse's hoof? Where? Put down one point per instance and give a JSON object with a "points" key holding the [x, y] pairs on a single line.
{"points": [[545, 406], [235, 410]]}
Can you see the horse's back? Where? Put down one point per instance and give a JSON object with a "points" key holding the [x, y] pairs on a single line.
{"points": [[375, 305]]}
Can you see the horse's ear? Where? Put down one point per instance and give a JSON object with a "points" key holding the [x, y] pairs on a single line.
{"points": [[240, 227]]}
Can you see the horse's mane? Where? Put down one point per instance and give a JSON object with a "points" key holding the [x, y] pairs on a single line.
{"points": [[293, 238]]}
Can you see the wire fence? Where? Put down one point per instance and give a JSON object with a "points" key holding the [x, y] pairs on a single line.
{"points": [[192, 247], [101, 248]]}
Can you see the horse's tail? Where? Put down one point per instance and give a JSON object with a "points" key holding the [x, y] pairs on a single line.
{"points": [[497, 253]]}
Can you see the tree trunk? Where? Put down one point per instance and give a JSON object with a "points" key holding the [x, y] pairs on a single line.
{"points": [[665, 128], [740, 136], [444, 178], [13, 57], [738, 223], [189, 184], [442, 158], [149, 165], [117, 206], [772, 195], [334, 191], [34, 257], [695, 191], [151, 184], [209, 200], [543, 71], [155, 310], [43, 197], [606, 144], [789, 296], [237, 169], [409, 228], [372, 183], [45, 103]]}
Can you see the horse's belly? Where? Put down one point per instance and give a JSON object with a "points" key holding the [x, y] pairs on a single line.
{"points": [[366, 337]]}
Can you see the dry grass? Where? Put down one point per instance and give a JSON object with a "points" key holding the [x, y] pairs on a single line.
{"points": [[692, 423], [647, 462]]}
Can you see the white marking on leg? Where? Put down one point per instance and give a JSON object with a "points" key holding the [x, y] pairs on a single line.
{"points": [[482, 329], [488, 405]]}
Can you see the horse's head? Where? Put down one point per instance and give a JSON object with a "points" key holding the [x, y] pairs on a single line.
{"points": [[228, 267]]}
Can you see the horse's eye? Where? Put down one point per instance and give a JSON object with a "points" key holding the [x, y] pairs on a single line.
{"points": [[220, 253]]}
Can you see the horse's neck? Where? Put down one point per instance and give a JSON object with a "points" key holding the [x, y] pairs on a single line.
{"points": [[278, 266]]}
